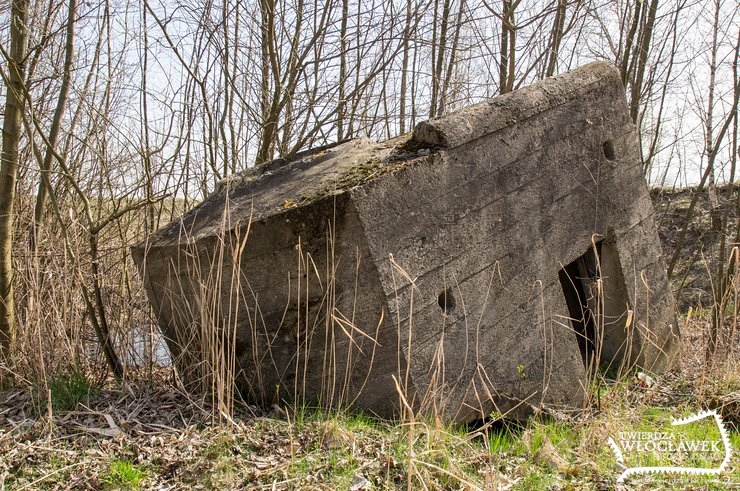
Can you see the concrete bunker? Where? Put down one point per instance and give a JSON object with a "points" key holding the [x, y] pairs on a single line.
{"points": [[479, 264]]}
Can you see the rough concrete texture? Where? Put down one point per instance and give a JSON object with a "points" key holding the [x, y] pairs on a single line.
{"points": [[485, 263]]}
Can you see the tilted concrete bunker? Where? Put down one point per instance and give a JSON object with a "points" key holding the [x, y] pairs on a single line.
{"points": [[481, 264]]}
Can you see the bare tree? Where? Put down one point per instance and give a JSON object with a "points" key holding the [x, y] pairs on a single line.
{"points": [[709, 122], [556, 37], [46, 165], [12, 122]]}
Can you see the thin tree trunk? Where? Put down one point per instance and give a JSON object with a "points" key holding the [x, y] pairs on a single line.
{"points": [[12, 121], [721, 279], [433, 102], [657, 133], [267, 11], [503, 79], [225, 58], [146, 151], [441, 53], [556, 37], [647, 34], [453, 59], [232, 89], [45, 184], [342, 104], [414, 87], [512, 46], [358, 68], [405, 68], [294, 66], [716, 219], [626, 53]]}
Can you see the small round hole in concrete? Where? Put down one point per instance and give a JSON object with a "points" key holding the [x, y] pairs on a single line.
{"points": [[446, 301], [608, 148]]}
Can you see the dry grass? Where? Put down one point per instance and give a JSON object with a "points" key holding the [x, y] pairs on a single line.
{"points": [[171, 441]]}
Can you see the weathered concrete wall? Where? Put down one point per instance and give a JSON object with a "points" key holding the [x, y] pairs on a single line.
{"points": [[436, 263]]}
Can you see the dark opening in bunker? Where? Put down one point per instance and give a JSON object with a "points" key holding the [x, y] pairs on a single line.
{"points": [[575, 280], [446, 301], [599, 305], [608, 149]]}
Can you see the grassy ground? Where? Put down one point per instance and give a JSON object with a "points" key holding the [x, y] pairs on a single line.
{"points": [[147, 435], [75, 432]]}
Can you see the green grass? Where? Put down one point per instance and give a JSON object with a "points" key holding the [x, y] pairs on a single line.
{"points": [[67, 391], [330, 450], [535, 480], [122, 474], [569, 442], [501, 440], [659, 420]]}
